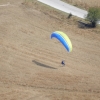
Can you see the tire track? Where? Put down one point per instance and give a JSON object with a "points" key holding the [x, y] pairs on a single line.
{"points": [[56, 88]]}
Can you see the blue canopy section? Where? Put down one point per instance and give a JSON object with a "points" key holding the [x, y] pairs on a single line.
{"points": [[61, 37]]}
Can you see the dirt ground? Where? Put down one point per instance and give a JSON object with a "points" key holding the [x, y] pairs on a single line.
{"points": [[30, 66]]}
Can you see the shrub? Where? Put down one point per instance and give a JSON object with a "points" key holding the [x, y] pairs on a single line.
{"points": [[93, 16]]}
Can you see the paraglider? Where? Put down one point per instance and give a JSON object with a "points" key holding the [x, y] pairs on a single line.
{"points": [[63, 38], [63, 62]]}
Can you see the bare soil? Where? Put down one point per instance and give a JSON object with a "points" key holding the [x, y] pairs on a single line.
{"points": [[30, 66]]}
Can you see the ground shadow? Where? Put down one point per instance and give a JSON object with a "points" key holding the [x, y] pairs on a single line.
{"points": [[84, 25], [42, 65]]}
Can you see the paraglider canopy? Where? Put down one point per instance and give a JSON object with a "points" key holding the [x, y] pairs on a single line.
{"points": [[63, 38]]}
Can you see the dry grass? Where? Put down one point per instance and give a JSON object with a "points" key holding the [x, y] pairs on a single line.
{"points": [[30, 61], [85, 4]]}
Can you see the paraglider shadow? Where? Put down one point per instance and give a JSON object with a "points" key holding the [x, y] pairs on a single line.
{"points": [[42, 65]]}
